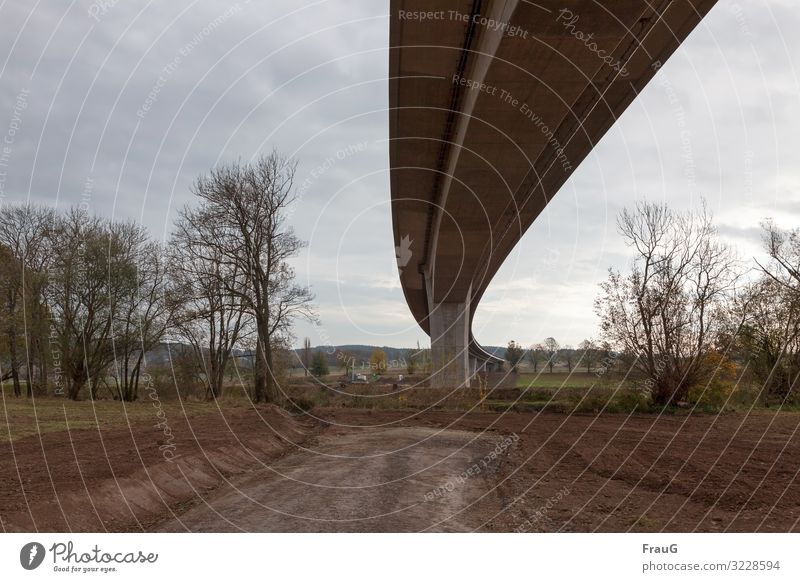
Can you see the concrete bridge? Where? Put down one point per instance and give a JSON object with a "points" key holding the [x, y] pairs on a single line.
{"points": [[494, 103]]}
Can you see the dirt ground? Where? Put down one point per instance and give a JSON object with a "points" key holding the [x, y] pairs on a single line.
{"points": [[124, 478], [401, 479], [616, 473], [361, 470]]}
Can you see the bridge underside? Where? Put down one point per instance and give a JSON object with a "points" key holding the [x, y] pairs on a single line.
{"points": [[493, 104]]}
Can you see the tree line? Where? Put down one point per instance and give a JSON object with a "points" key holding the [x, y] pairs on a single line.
{"points": [[549, 353], [83, 299], [689, 316]]}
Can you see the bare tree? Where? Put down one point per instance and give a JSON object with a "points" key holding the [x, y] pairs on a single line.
{"points": [[670, 309], [514, 355], [771, 335], [24, 231], [92, 287], [588, 354], [247, 204], [92, 275], [145, 311], [567, 353], [770, 338], [784, 250], [211, 319], [534, 355], [10, 319], [551, 348]]}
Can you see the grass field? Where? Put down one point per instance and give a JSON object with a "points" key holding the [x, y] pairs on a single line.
{"points": [[561, 392], [22, 417], [566, 392], [556, 380]]}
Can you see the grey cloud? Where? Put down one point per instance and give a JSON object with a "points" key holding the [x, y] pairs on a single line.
{"points": [[734, 80]]}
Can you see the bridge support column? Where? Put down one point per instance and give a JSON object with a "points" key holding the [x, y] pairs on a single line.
{"points": [[449, 325]]}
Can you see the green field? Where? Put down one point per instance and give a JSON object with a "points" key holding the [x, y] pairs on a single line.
{"points": [[556, 380], [22, 417]]}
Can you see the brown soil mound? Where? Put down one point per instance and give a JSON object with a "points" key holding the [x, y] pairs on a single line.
{"points": [[122, 479]]}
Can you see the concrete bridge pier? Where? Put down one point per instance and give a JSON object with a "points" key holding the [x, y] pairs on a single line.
{"points": [[450, 333]]}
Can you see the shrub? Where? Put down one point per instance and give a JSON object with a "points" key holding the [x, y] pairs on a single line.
{"points": [[299, 404], [319, 365], [720, 381]]}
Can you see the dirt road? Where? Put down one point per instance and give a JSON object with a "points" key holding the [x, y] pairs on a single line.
{"points": [[398, 479]]}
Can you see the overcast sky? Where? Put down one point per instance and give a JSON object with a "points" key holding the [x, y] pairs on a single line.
{"points": [[120, 105]]}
